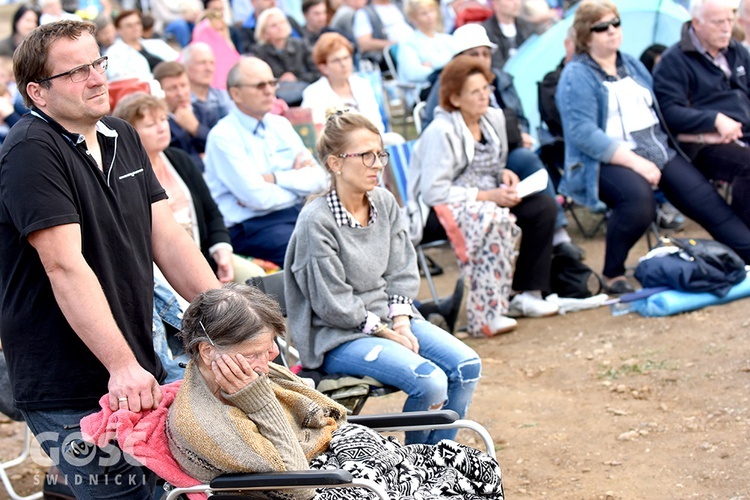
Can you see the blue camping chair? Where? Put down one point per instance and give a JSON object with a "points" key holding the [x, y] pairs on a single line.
{"points": [[394, 179]]}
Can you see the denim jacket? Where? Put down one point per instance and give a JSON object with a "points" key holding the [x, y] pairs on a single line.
{"points": [[166, 311], [583, 103]]}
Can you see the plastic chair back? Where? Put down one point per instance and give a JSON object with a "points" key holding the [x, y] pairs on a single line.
{"points": [[121, 88]]}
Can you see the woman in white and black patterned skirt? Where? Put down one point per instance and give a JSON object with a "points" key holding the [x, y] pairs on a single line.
{"points": [[458, 169]]}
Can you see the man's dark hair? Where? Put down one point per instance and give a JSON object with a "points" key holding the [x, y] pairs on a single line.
{"points": [[126, 13], [309, 4]]}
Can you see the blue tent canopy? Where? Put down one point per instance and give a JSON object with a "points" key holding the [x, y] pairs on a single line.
{"points": [[644, 22]]}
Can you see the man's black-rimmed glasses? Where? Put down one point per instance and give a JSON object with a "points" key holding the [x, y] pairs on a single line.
{"points": [[81, 73]]}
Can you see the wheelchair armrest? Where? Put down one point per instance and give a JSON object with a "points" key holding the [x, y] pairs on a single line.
{"points": [[270, 480], [406, 419]]}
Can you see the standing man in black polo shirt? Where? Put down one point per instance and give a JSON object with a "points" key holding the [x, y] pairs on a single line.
{"points": [[82, 217]]}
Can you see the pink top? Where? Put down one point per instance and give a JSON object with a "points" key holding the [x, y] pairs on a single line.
{"points": [[224, 52]]}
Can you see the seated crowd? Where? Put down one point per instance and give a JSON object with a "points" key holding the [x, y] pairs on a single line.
{"points": [[242, 64]]}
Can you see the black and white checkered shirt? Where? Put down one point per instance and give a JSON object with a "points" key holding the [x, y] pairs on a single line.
{"points": [[343, 217]]}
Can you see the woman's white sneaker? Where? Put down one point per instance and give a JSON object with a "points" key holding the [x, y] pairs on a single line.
{"points": [[531, 305], [498, 325]]}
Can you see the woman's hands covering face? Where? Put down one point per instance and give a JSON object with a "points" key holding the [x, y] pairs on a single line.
{"points": [[233, 372]]}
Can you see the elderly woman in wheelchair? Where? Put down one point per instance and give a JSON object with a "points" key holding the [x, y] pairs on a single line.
{"points": [[236, 411]]}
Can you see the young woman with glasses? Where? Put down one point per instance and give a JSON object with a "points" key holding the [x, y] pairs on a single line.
{"points": [[351, 277]]}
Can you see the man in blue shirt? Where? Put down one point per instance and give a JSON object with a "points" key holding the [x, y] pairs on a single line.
{"points": [[257, 168], [188, 123], [200, 65]]}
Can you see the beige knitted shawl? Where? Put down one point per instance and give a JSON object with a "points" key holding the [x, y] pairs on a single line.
{"points": [[277, 423]]}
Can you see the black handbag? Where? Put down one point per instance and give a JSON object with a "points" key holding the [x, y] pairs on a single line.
{"points": [[572, 278], [698, 265]]}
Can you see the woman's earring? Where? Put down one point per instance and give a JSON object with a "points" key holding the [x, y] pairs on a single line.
{"points": [[338, 172]]}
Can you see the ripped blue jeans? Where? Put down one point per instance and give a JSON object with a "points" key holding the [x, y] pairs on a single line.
{"points": [[445, 370]]}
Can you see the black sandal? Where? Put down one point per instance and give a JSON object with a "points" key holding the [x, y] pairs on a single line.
{"points": [[618, 287]]}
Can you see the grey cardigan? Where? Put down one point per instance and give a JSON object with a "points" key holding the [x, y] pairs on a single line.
{"points": [[442, 153], [335, 275]]}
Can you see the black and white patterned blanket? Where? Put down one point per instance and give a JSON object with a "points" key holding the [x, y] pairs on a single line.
{"points": [[414, 472]]}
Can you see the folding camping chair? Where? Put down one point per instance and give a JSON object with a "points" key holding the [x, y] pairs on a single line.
{"points": [[352, 397], [14, 462], [395, 180], [7, 408]]}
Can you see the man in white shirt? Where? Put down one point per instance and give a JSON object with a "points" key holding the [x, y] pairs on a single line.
{"points": [[257, 168], [378, 25]]}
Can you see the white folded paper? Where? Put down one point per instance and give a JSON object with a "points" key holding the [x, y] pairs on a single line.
{"points": [[532, 184]]}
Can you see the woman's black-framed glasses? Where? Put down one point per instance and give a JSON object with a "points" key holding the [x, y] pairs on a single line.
{"points": [[368, 157], [81, 73], [604, 26]]}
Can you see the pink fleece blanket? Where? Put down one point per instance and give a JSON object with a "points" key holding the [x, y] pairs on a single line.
{"points": [[142, 435]]}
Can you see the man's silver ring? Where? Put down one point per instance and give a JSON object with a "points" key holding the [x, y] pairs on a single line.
{"points": [[122, 399]]}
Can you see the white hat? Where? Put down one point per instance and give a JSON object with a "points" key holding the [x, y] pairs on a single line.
{"points": [[470, 36]]}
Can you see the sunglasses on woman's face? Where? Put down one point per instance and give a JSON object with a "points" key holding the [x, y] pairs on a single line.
{"points": [[604, 26]]}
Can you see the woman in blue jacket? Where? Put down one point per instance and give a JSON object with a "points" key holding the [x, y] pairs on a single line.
{"points": [[616, 151]]}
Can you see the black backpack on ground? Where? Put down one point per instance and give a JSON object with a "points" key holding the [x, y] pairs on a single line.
{"points": [[572, 278]]}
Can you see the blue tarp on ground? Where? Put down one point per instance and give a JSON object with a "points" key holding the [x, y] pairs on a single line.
{"points": [[644, 22], [674, 302]]}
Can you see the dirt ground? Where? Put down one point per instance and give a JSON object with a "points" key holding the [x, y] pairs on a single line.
{"points": [[591, 406]]}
